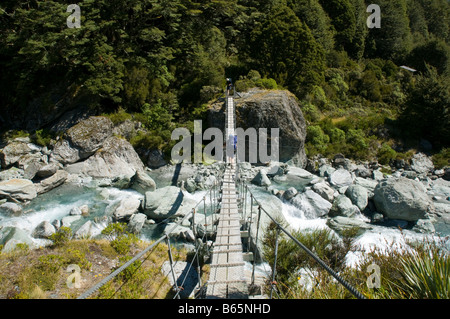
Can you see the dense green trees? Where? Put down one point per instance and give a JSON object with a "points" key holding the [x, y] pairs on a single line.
{"points": [[393, 40], [164, 59], [427, 111], [343, 19], [283, 47]]}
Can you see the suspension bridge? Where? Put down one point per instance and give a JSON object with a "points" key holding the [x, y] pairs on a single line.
{"points": [[239, 212]]}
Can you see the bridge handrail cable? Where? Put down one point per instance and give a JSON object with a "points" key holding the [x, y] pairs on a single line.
{"points": [[165, 237]]}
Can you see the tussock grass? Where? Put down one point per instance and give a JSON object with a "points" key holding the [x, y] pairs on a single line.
{"points": [[419, 270], [42, 273]]}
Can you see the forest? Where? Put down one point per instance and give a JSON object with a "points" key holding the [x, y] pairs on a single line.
{"points": [[161, 61]]}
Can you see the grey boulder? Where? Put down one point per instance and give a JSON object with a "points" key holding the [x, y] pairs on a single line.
{"points": [[126, 208], [83, 139], [163, 202], [136, 223], [343, 206], [312, 204], [18, 189], [44, 230], [290, 193], [421, 163], [12, 153], [47, 170], [261, 179], [117, 158], [51, 182], [403, 199], [324, 190], [143, 183], [341, 223], [10, 209], [358, 195], [11, 236], [341, 178]]}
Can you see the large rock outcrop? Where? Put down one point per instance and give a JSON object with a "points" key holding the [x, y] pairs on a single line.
{"points": [[163, 203], [83, 139], [269, 109], [116, 158], [276, 109]]}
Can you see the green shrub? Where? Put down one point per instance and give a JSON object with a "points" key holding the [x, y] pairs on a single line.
{"points": [[318, 97], [16, 133], [335, 79], [42, 137], [442, 159], [386, 154], [310, 112], [337, 135], [269, 84], [119, 116], [62, 236], [253, 75], [253, 79], [316, 136], [357, 139], [147, 140], [122, 244], [77, 257], [291, 258], [51, 263], [369, 86]]}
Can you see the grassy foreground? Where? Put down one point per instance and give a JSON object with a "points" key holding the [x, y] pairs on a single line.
{"points": [[49, 272], [421, 270]]}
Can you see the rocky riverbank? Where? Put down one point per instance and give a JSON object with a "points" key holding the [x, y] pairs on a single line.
{"points": [[103, 180]]}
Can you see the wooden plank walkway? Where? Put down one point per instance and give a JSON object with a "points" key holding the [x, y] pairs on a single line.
{"points": [[227, 277]]}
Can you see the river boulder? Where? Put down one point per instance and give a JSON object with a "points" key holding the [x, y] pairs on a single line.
{"points": [[312, 204], [142, 182], [11, 236], [163, 202], [358, 195], [12, 152], [51, 182], [324, 190], [47, 170], [343, 206], [18, 189], [261, 179], [11, 173], [127, 207], [340, 223], [402, 198], [422, 164], [136, 223], [341, 178], [44, 230], [10, 209]]}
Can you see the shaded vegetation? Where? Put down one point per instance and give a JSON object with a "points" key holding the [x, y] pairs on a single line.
{"points": [[161, 62]]}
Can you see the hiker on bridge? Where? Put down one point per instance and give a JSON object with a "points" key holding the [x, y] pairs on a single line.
{"points": [[229, 86]]}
